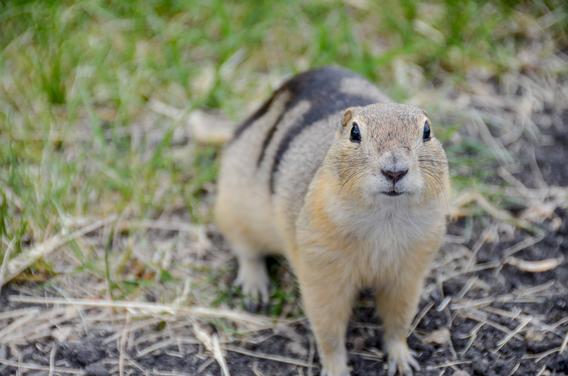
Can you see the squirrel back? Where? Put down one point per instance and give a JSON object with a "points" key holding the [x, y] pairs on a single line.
{"points": [[274, 154]]}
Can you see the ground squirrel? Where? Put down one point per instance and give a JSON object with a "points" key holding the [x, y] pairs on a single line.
{"points": [[352, 189]]}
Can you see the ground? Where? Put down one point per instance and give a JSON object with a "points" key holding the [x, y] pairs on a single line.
{"points": [[101, 177]]}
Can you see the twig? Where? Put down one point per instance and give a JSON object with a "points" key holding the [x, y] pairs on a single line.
{"points": [[42, 321], [564, 343], [311, 355], [149, 308], [535, 290], [523, 244], [134, 327], [4, 265], [498, 149], [450, 364], [52, 359], [18, 313], [122, 348], [154, 347], [165, 343], [204, 365], [515, 369], [211, 343], [541, 356], [542, 370], [420, 316], [38, 367], [560, 322], [275, 358], [365, 355], [499, 214], [509, 336], [258, 372], [509, 298], [158, 372], [478, 267], [16, 324], [478, 316], [162, 225], [519, 316], [472, 337], [28, 257], [538, 266], [137, 365]]}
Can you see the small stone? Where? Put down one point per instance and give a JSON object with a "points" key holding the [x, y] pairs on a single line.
{"points": [[460, 373], [96, 369], [359, 343], [438, 337], [61, 334], [533, 335], [296, 349]]}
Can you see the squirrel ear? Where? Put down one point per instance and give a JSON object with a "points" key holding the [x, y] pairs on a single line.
{"points": [[347, 116]]}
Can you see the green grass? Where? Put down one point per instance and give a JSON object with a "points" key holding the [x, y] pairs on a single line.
{"points": [[77, 136]]}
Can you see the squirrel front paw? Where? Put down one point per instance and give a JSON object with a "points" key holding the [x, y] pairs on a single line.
{"points": [[335, 364], [400, 358], [338, 370]]}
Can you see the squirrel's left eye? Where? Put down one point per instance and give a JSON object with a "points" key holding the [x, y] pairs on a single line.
{"points": [[355, 135], [426, 133]]}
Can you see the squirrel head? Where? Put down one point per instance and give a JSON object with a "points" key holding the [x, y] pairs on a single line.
{"points": [[387, 152]]}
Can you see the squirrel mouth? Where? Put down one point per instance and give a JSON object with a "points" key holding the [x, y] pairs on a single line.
{"points": [[393, 193]]}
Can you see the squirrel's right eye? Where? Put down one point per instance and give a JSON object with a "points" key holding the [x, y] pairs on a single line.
{"points": [[355, 135]]}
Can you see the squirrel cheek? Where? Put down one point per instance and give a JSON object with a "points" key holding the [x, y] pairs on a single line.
{"points": [[377, 184], [416, 181]]}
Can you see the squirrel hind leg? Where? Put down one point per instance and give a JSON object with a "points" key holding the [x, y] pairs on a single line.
{"points": [[252, 277]]}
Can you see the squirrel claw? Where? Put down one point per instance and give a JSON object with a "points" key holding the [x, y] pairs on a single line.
{"points": [[255, 288], [401, 360]]}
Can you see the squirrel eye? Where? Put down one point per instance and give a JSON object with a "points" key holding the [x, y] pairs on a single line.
{"points": [[355, 135], [426, 134]]}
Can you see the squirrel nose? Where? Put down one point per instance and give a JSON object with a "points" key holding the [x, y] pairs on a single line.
{"points": [[394, 176]]}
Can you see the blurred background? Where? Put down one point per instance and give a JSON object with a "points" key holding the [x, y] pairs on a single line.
{"points": [[80, 82], [104, 194]]}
